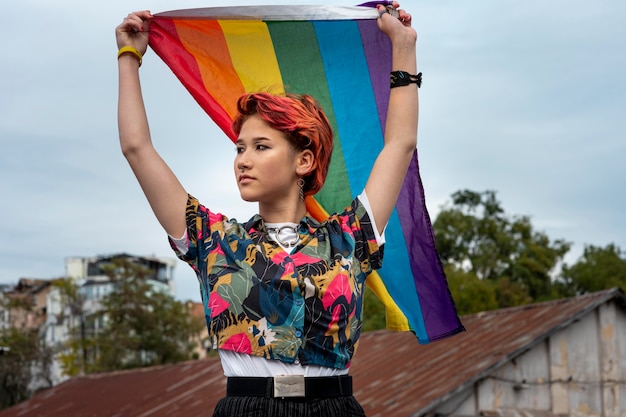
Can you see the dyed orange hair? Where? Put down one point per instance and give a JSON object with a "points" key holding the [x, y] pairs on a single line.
{"points": [[301, 118]]}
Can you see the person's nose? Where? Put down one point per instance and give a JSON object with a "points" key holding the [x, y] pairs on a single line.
{"points": [[242, 164]]}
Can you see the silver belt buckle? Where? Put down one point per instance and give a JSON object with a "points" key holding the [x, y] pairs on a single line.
{"points": [[289, 386]]}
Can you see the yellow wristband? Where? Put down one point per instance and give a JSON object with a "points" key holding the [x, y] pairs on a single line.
{"points": [[134, 51]]}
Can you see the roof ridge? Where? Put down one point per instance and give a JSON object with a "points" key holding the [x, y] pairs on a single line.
{"points": [[602, 294]]}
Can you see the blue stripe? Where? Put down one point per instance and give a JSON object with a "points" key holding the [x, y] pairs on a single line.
{"points": [[397, 277], [350, 88], [403, 289], [361, 138]]}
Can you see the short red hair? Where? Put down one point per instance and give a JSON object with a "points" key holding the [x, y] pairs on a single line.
{"points": [[302, 119]]}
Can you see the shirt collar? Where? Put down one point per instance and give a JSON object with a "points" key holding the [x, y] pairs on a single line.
{"points": [[256, 224]]}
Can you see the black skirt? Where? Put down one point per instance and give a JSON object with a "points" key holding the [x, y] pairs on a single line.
{"points": [[243, 406]]}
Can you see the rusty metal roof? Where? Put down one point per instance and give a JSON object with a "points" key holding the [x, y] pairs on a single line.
{"points": [[418, 378], [393, 374]]}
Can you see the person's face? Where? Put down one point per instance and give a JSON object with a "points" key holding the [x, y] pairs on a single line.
{"points": [[266, 163]]}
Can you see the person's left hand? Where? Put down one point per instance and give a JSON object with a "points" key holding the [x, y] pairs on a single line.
{"points": [[396, 29]]}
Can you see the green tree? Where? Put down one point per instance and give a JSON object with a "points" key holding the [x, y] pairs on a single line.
{"points": [[74, 355], [470, 293], [374, 316], [510, 293], [597, 269], [141, 325], [475, 236]]}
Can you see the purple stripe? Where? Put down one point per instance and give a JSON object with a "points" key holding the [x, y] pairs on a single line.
{"points": [[377, 52], [373, 4], [440, 316], [377, 49]]}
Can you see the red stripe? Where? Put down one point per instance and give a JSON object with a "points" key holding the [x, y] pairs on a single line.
{"points": [[207, 64]]}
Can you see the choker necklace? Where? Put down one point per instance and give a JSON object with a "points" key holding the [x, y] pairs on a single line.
{"points": [[277, 230]]}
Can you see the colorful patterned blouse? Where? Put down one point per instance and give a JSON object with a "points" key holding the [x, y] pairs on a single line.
{"points": [[304, 307]]}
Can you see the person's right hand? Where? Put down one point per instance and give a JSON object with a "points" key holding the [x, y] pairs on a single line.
{"points": [[134, 31]]}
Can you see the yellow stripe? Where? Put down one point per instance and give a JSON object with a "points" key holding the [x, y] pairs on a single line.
{"points": [[396, 320], [253, 56]]}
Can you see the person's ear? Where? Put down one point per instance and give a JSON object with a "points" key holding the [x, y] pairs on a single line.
{"points": [[305, 163]]}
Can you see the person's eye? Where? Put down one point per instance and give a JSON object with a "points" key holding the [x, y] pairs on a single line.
{"points": [[262, 147], [239, 149]]}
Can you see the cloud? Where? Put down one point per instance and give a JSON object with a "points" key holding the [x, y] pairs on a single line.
{"points": [[525, 98]]}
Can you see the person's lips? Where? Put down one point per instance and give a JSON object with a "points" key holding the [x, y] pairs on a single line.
{"points": [[245, 179]]}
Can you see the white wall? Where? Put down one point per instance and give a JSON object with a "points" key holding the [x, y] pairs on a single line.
{"points": [[577, 371]]}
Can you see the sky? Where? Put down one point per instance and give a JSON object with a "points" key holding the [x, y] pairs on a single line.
{"points": [[526, 98]]}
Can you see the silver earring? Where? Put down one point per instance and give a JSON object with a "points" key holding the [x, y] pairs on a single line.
{"points": [[301, 187]]}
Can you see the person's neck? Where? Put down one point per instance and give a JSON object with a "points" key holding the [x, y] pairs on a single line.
{"points": [[287, 213]]}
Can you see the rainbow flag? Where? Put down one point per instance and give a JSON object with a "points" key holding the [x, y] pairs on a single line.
{"points": [[339, 56]]}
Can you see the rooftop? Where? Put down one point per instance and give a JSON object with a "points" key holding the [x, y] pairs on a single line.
{"points": [[393, 374]]}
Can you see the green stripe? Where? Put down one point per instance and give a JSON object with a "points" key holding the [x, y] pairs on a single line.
{"points": [[302, 70]]}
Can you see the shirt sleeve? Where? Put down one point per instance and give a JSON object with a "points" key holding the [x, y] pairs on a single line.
{"points": [[197, 219], [380, 237], [367, 248], [180, 244], [205, 231]]}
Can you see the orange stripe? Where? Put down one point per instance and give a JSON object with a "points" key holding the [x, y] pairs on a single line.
{"points": [[205, 40], [315, 209]]}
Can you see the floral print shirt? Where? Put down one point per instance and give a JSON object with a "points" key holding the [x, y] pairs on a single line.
{"points": [[301, 307]]}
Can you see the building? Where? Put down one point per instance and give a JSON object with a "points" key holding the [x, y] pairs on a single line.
{"points": [[25, 304], [202, 342], [92, 271], [558, 358], [24, 307], [69, 313]]}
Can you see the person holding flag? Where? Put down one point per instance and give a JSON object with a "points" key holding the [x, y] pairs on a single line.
{"points": [[283, 292]]}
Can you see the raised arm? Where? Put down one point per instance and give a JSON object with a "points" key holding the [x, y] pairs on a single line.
{"points": [[387, 176], [166, 195]]}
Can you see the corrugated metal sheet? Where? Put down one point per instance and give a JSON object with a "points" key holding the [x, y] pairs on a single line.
{"points": [[519, 413], [393, 374], [189, 389]]}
